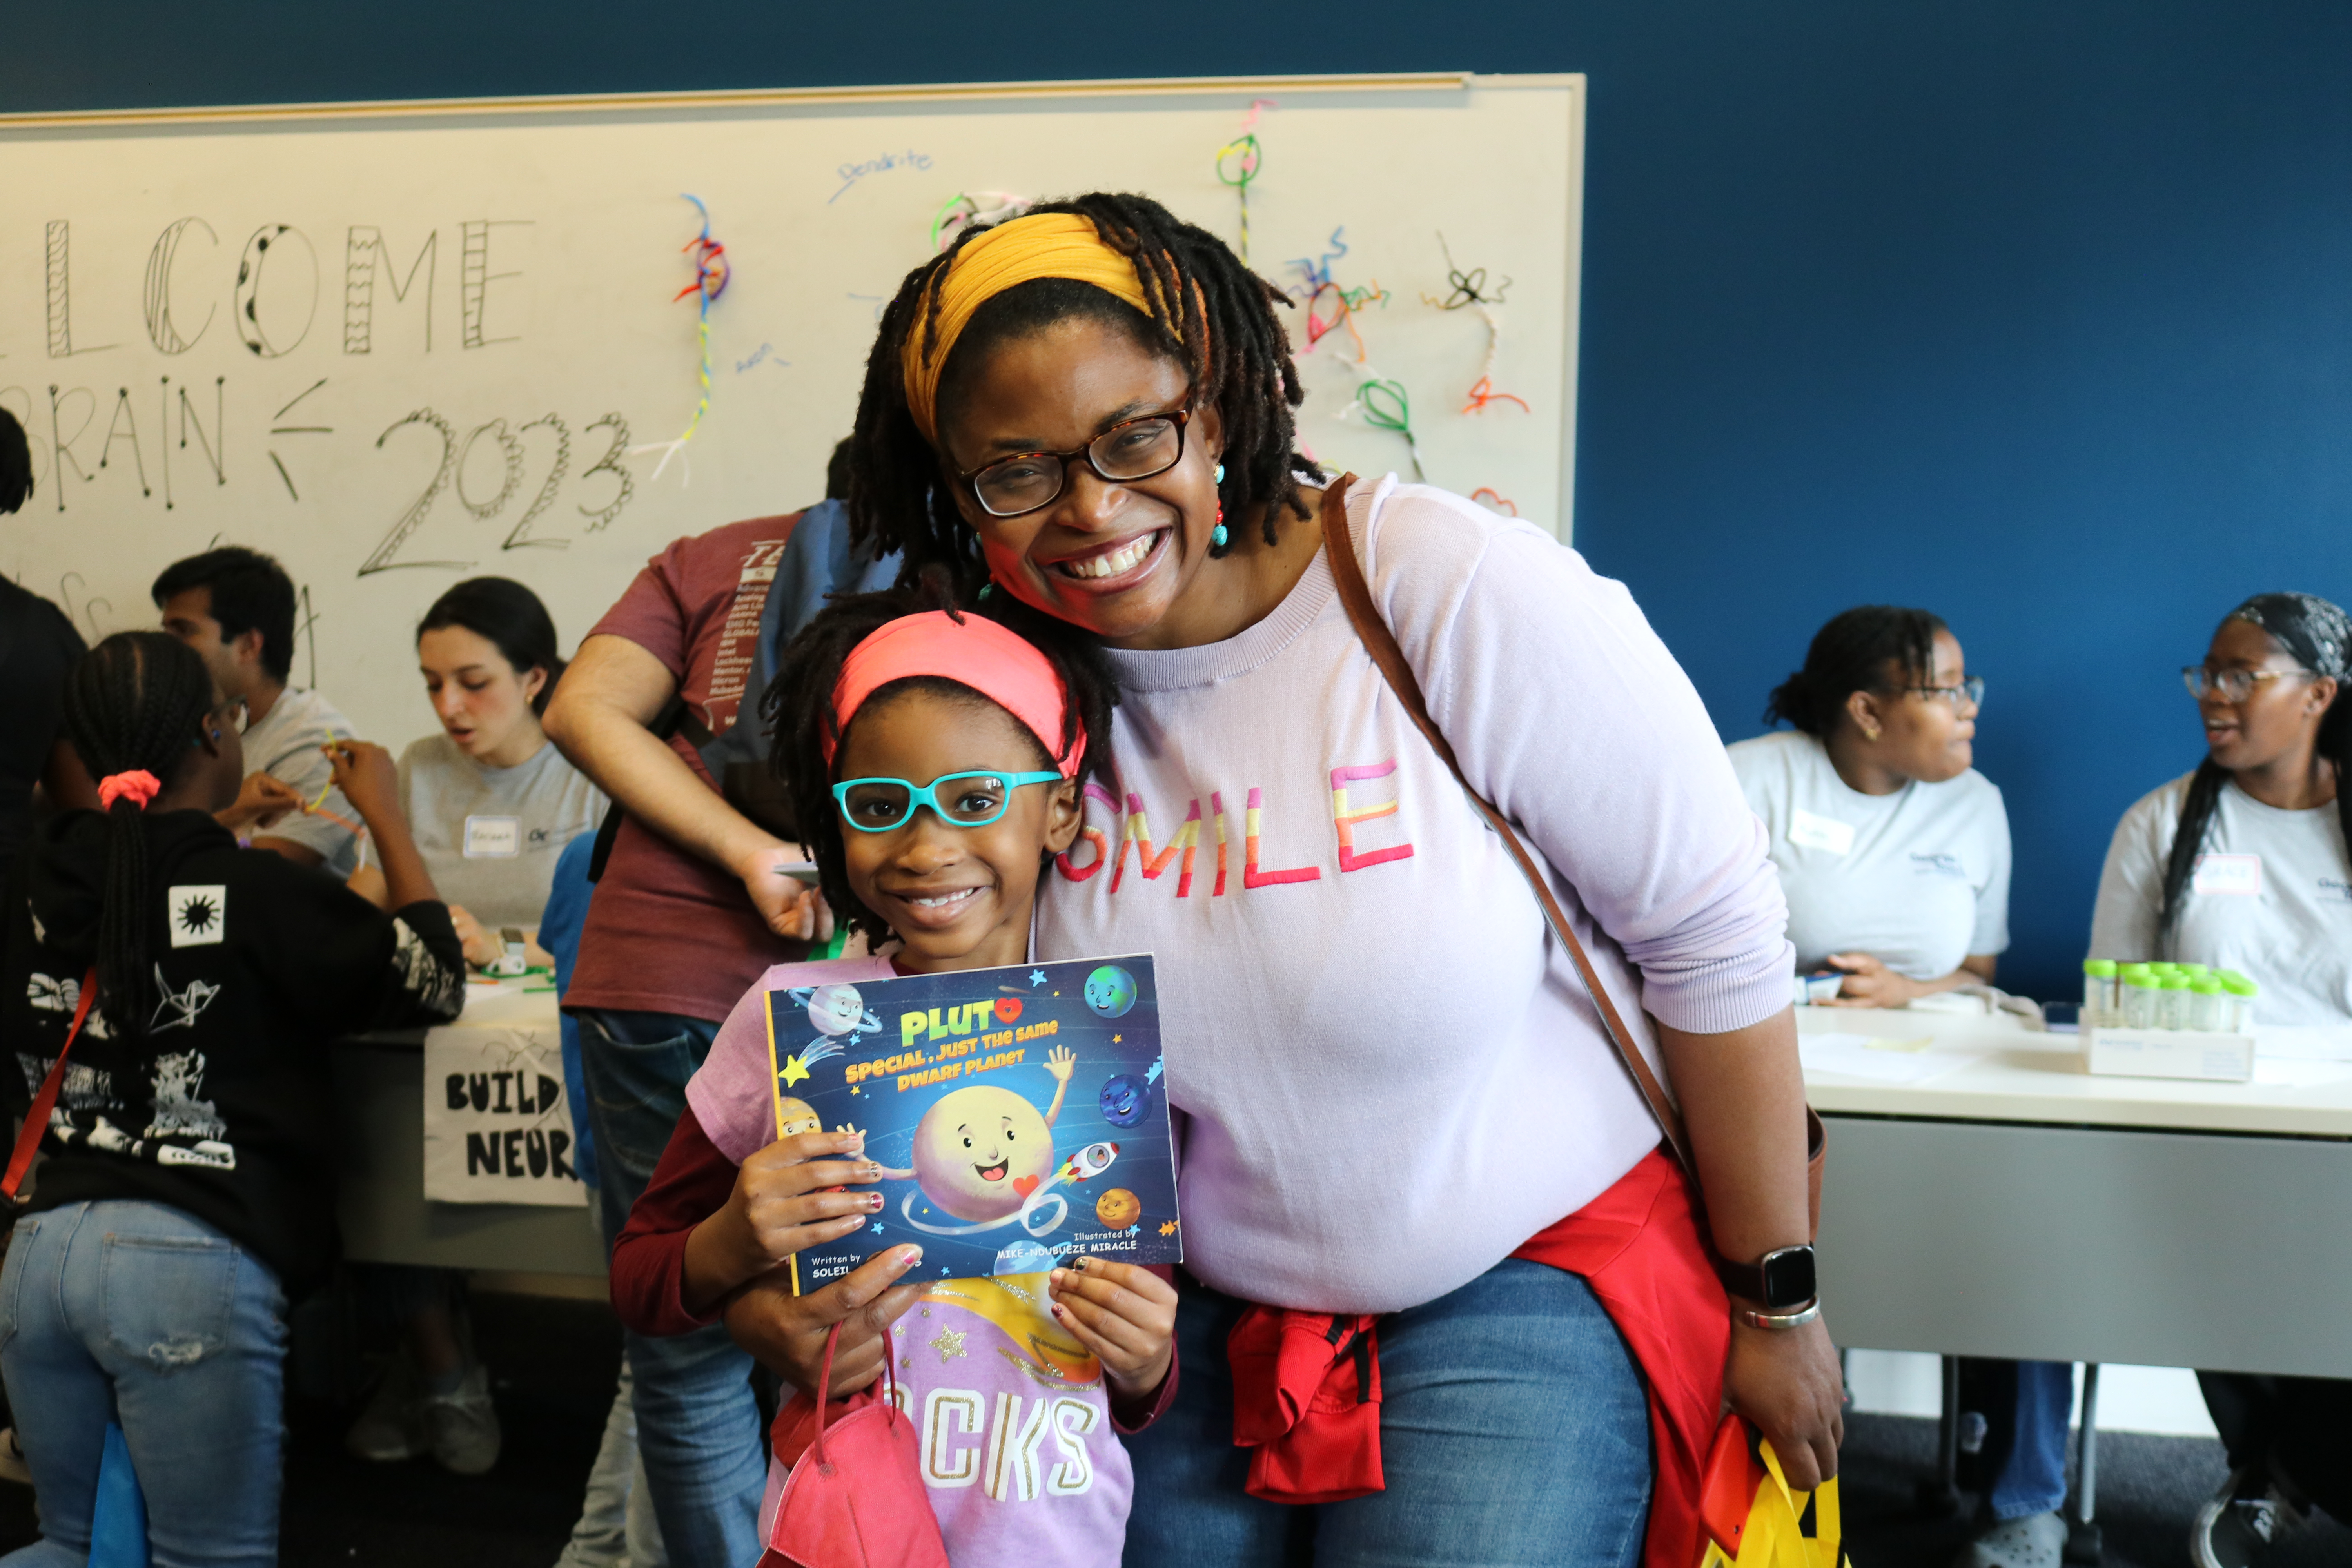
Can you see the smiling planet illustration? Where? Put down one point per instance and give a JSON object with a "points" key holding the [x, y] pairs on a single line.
{"points": [[1118, 1209], [1110, 991], [979, 1151], [1125, 1100]]}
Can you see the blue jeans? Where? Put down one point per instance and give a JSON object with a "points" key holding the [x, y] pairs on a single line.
{"points": [[697, 1423], [136, 1314], [2028, 1406], [1514, 1430]]}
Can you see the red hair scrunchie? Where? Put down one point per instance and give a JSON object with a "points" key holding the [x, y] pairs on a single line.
{"points": [[138, 786]]}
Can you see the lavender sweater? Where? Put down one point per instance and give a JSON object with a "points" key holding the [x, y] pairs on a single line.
{"points": [[1390, 1075]]}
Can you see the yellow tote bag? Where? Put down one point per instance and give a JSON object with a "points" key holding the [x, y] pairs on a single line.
{"points": [[1750, 1516]]}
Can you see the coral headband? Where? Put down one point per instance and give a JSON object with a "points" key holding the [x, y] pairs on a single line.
{"points": [[1001, 665], [1042, 245]]}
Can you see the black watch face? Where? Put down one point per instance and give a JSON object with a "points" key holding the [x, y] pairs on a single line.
{"points": [[1789, 1278]]}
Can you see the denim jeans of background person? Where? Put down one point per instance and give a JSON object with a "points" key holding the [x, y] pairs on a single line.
{"points": [[186, 1352], [1505, 1410], [697, 1423]]}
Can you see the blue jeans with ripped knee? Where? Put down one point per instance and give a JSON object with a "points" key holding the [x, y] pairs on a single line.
{"points": [[137, 1313]]}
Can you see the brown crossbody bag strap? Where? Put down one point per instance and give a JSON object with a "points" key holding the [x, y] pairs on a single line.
{"points": [[1356, 597]]}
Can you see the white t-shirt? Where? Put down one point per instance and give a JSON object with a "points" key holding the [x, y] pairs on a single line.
{"points": [[1918, 879], [285, 744], [2271, 898], [490, 836]]}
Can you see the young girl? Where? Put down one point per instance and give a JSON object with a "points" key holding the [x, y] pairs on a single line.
{"points": [[883, 691], [188, 1191]]}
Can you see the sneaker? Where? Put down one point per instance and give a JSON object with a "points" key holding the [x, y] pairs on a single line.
{"points": [[2238, 1523], [2036, 1540], [12, 1458], [463, 1426], [392, 1427]]}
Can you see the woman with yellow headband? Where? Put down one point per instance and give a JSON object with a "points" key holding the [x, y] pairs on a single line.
{"points": [[1440, 1281]]}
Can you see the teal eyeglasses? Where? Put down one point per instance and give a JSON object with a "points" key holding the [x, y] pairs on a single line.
{"points": [[967, 800]]}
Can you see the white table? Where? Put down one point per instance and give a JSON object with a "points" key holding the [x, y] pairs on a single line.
{"points": [[2018, 1207], [380, 1086]]}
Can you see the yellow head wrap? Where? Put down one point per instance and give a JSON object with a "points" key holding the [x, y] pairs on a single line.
{"points": [[1042, 245]]}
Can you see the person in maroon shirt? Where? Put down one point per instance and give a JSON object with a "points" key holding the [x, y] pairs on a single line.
{"points": [[694, 904]]}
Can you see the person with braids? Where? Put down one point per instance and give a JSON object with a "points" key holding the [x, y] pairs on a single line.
{"points": [[1892, 851], [1428, 1152], [2242, 864], [172, 995], [937, 759]]}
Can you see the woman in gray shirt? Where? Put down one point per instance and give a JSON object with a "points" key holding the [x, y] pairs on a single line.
{"points": [[491, 803]]}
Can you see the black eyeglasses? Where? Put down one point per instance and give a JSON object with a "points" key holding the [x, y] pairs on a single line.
{"points": [[1134, 448]]}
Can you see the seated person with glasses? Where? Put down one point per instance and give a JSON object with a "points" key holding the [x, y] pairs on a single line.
{"points": [[235, 607], [1893, 852], [2241, 865]]}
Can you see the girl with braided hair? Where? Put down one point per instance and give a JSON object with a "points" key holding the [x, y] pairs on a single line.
{"points": [[2242, 864], [1406, 1154], [171, 996], [937, 758]]}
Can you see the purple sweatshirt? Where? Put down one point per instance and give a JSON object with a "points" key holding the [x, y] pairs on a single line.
{"points": [[1390, 1074]]}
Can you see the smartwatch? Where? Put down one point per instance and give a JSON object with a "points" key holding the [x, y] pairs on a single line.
{"points": [[1782, 1278]]}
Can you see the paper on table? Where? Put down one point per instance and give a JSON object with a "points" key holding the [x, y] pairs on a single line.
{"points": [[2317, 1042], [1880, 1060], [2299, 1073]]}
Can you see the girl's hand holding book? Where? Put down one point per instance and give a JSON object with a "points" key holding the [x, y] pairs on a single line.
{"points": [[1125, 1314], [797, 1192]]}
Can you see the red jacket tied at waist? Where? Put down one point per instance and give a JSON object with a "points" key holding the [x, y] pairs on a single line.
{"points": [[1306, 1386]]}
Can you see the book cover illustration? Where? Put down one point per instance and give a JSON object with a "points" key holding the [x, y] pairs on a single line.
{"points": [[1020, 1115]]}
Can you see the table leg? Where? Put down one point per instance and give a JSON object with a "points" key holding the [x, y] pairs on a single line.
{"points": [[1939, 1497], [2082, 1541]]}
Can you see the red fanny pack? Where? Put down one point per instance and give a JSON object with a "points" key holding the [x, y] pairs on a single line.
{"points": [[1306, 1386], [1306, 1397]]}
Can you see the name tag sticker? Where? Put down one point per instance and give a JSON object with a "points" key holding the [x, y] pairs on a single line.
{"points": [[493, 838], [2234, 875], [1807, 831]]}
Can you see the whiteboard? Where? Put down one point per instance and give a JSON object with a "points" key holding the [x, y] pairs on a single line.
{"points": [[397, 345]]}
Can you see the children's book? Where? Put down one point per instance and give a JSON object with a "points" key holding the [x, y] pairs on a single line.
{"points": [[1020, 1115]]}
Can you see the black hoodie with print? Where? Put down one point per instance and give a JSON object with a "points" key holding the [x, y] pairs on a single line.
{"points": [[222, 1110]]}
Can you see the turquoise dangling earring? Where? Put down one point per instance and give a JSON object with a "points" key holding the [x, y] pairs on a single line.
{"points": [[1217, 535], [987, 588], [1221, 473]]}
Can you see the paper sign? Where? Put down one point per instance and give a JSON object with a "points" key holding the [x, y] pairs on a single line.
{"points": [[1807, 831], [498, 1128], [2239, 875]]}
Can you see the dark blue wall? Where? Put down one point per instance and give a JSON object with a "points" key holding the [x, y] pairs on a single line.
{"points": [[2038, 313]]}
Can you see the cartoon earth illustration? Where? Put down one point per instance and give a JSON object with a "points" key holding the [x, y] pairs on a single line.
{"points": [[794, 1117], [1126, 1100], [1022, 1257], [1118, 1209], [1110, 991]]}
